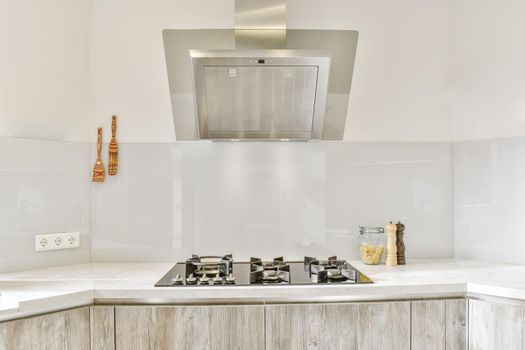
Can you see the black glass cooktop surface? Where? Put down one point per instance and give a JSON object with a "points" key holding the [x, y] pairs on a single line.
{"points": [[223, 271]]}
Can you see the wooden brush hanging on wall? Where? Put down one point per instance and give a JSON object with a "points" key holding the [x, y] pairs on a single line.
{"points": [[113, 148], [99, 173]]}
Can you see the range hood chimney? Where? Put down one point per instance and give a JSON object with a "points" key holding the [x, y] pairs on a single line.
{"points": [[260, 24]]}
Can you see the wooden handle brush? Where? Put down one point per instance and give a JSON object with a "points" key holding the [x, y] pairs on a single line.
{"points": [[99, 174], [113, 149]]}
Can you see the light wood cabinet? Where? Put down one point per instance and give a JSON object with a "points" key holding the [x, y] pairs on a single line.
{"points": [[428, 324], [102, 322], [425, 324], [311, 326], [384, 326], [189, 327], [65, 330], [496, 326], [439, 324], [338, 326], [456, 324]]}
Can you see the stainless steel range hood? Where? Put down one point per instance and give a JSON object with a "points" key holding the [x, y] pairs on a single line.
{"points": [[259, 80], [260, 90], [260, 94]]}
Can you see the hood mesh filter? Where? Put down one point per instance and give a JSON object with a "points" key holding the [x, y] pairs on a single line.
{"points": [[255, 99]]}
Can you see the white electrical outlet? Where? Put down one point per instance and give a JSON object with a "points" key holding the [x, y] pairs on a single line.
{"points": [[54, 241]]}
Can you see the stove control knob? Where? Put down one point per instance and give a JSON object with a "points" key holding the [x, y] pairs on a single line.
{"points": [[217, 279], [230, 278], [204, 279], [177, 280], [191, 279]]}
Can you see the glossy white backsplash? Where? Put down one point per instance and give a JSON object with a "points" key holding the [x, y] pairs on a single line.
{"points": [[171, 200], [489, 200], [270, 198], [44, 187]]}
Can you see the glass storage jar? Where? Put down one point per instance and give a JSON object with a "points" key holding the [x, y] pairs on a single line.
{"points": [[372, 245]]}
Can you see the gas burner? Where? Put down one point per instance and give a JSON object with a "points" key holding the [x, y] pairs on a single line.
{"points": [[271, 277], [314, 265], [269, 272], [208, 269], [335, 275], [332, 270], [276, 264]]}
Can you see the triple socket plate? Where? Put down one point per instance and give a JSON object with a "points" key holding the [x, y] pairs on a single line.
{"points": [[54, 241]]}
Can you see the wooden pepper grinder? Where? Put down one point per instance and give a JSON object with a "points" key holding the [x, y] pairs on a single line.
{"points": [[399, 242], [391, 248]]}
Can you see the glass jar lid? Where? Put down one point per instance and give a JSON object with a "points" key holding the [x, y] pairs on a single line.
{"points": [[367, 229]]}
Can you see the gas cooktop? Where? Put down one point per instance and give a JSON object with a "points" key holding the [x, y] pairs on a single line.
{"points": [[223, 271]]}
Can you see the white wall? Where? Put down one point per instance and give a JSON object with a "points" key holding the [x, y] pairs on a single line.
{"points": [[53, 51], [489, 200], [129, 69], [425, 71], [417, 63], [399, 91], [269, 199], [66, 66], [487, 56], [401, 74], [44, 69], [488, 102], [44, 188]]}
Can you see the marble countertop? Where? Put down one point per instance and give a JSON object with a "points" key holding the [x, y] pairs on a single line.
{"points": [[32, 292]]}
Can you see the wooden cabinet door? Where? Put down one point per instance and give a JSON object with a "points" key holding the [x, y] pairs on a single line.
{"points": [[495, 326], [311, 326], [189, 327], [439, 324], [65, 330], [102, 320], [456, 325], [367, 326], [384, 326], [428, 324]]}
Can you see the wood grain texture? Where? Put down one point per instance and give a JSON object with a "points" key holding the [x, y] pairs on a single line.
{"points": [[384, 326], [65, 330], [456, 324], [495, 326], [311, 326], [428, 324], [189, 327], [400, 232], [102, 322]]}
